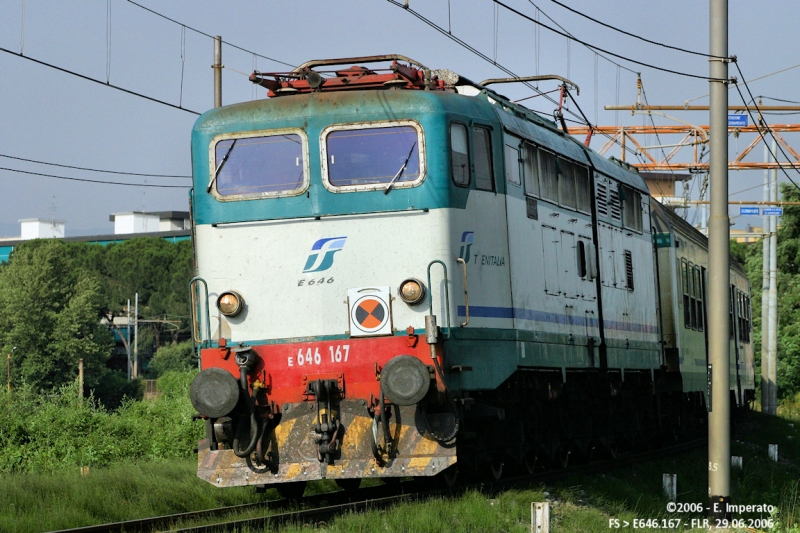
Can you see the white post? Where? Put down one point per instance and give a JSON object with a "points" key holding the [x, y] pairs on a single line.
{"points": [[670, 483], [540, 517], [773, 452]]}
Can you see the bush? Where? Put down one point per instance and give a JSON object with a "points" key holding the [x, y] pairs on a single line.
{"points": [[178, 357], [60, 430]]}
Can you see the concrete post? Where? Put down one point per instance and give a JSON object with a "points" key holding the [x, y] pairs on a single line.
{"points": [[772, 346], [217, 66], [719, 445]]}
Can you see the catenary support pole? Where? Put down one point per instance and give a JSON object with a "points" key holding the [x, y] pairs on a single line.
{"points": [[719, 445], [217, 66], [80, 378], [136, 337], [765, 295], [128, 335], [773, 296]]}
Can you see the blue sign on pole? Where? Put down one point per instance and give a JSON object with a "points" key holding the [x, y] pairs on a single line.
{"points": [[737, 121], [773, 211], [748, 211]]}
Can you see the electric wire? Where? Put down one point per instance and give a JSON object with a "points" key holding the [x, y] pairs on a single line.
{"points": [[472, 49], [753, 80], [559, 26], [97, 181], [769, 130], [598, 49], [209, 35], [94, 169], [609, 26], [117, 87]]}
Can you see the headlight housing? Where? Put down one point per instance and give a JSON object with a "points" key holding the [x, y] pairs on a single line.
{"points": [[411, 291], [230, 303]]}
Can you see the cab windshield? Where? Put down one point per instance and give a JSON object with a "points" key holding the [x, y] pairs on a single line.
{"points": [[372, 157]]}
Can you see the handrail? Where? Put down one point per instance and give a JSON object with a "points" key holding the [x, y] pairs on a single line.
{"points": [[446, 293], [197, 332], [532, 78], [353, 60], [466, 291]]}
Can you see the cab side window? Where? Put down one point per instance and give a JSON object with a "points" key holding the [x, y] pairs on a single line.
{"points": [[482, 147], [459, 154]]}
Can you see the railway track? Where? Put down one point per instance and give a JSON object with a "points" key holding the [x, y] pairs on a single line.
{"points": [[322, 507]]}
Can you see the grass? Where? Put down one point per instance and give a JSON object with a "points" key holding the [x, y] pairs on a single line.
{"points": [[34, 502]]}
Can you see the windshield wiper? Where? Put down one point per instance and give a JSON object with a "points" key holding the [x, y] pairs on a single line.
{"points": [[219, 167], [400, 172]]}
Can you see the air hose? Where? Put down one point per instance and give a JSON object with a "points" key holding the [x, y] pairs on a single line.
{"points": [[253, 424]]}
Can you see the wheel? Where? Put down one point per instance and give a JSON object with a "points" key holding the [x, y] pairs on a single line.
{"points": [[348, 484], [530, 462], [291, 491], [449, 477], [496, 468]]}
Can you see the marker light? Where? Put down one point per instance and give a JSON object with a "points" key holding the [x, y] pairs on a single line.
{"points": [[412, 291], [230, 303]]}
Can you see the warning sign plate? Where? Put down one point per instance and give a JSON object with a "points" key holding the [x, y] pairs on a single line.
{"points": [[370, 311]]}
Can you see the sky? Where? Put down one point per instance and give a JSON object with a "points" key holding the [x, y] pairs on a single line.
{"points": [[51, 116]]}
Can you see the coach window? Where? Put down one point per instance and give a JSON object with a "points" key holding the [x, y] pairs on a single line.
{"points": [[548, 176], [258, 166], [530, 169], [482, 149], [687, 302], [370, 157], [566, 183], [459, 154], [698, 289]]}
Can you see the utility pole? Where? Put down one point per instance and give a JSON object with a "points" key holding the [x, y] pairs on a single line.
{"points": [[719, 430], [217, 66], [136, 338], [765, 334], [772, 355], [80, 378], [128, 335], [14, 349]]}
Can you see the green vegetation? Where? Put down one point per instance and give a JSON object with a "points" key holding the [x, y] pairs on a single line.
{"points": [[53, 296], [61, 431], [788, 291], [30, 503]]}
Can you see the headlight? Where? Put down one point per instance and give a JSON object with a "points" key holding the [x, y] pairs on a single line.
{"points": [[412, 291], [230, 303]]}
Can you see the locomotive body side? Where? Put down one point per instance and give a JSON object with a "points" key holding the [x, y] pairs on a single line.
{"points": [[393, 281]]}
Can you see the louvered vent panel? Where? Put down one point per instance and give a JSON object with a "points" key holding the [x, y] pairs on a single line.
{"points": [[628, 270], [616, 208], [602, 200]]}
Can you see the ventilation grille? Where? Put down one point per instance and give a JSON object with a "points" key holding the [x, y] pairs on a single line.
{"points": [[616, 208], [628, 270], [602, 200]]}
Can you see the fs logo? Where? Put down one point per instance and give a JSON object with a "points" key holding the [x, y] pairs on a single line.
{"points": [[466, 243], [321, 257]]}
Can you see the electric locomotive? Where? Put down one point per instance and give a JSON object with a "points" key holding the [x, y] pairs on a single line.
{"points": [[400, 272]]}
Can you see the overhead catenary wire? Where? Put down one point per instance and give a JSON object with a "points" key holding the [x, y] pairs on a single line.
{"points": [[753, 80], [208, 35], [760, 131], [609, 26], [104, 84], [95, 169], [598, 49], [96, 181]]}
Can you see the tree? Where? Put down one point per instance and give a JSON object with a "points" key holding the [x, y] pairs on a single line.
{"points": [[50, 310]]}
